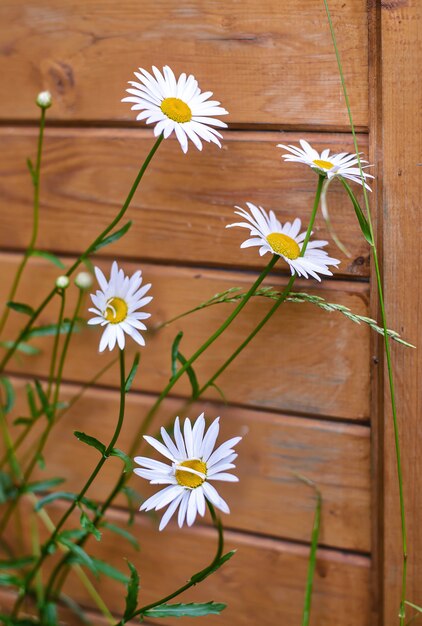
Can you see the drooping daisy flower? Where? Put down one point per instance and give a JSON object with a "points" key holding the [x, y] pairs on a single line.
{"points": [[268, 233], [330, 165], [116, 307], [176, 105], [194, 464]]}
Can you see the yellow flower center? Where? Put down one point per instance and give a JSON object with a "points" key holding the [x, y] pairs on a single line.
{"points": [[176, 110], [325, 165], [189, 479], [283, 244], [116, 310]]}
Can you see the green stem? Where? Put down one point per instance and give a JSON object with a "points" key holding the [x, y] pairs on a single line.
{"points": [[36, 203], [312, 556], [402, 613], [62, 294], [84, 255], [193, 581]]}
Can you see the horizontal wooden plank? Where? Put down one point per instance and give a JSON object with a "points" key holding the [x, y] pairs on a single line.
{"points": [[183, 204], [269, 499], [305, 360], [263, 583], [269, 63]]}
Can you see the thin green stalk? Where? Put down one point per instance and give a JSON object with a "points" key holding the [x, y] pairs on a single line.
{"points": [[283, 296], [84, 254], [217, 523], [75, 503], [35, 539], [402, 613], [62, 294], [36, 202]]}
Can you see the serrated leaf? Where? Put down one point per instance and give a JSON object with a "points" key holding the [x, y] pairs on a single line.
{"points": [[131, 600], [78, 554], [10, 394], [22, 346], [122, 532], [200, 576], [42, 485], [124, 457], [91, 441], [193, 609], [49, 256], [364, 226], [118, 234], [51, 329], [20, 307], [110, 571], [88, 525], [132, 373]]}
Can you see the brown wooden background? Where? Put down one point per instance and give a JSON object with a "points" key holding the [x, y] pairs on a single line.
{"points": [[308, 393]]}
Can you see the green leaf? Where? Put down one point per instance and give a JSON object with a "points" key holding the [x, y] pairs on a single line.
{"points": [[414, 606], [88, 525], [17, 563], [78, 554], [220, 391], [8, 491], [48, 614], [31, 401], [193, 609], [91, 441], [10, 394], [23, 347], [175, 352], [200, 576], [42, 485], [51, 329], [49, 256], [191, 375], [57, 495], [31, 170], [133, 369], [124, 457], [20, 307], [364, 226], [122, 532], [110, 571], [10, 579], [118, 234], [46, 408], [132, 592]]}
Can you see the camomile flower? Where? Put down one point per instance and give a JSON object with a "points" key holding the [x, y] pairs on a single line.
{"points": [[176, 105], [192, 465], [329, 165], [286, 241], [117, 306]]}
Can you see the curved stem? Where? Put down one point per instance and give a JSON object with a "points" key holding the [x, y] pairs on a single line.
{"points": [[36, 203], [85, 254], [193, 580], [66, 515]]}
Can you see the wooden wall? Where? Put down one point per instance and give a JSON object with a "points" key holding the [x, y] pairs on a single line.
{"points": [[301, 393]]}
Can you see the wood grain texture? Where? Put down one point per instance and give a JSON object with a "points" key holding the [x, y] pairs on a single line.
{"points": [[263, 583], [304, 361], [184, 202], [269, 499], [270, 63], [402, 188]]}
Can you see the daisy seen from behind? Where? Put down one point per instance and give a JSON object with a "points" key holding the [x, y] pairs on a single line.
{"points": [[192, 464], [117, 305], [176, 105], [286, 241], [330, 165]]}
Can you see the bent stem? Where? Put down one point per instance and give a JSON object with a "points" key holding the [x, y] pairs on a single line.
{"points": [[193, 580], [35, 174], [46, 547], [402, 613], [85, 254]]}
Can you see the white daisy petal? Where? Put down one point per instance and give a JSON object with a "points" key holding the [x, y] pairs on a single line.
{"points": [[192, 510], [159, 447], [171, 509]]}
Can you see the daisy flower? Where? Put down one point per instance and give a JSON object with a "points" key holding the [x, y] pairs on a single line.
{"points": [[329, 165], [269, 234], [176, 105], [194, 464], [116, 307]]}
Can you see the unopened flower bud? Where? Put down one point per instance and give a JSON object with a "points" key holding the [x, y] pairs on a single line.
{"points": [[44, 100], [83, 280], [62, 282]]}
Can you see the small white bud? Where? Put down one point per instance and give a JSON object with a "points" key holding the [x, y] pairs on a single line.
{"points": [[83, 280], [44, 100], [62, 282]]}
